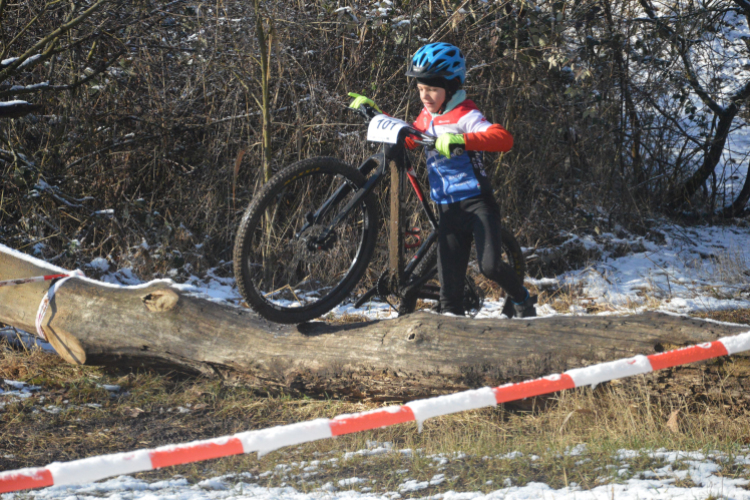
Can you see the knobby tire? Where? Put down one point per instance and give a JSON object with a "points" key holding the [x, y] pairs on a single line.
{"points": [[277, 273]]}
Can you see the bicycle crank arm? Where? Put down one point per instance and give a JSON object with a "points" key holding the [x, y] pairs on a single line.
{"points": [[416, 284], [426, 295], [366, 296]]}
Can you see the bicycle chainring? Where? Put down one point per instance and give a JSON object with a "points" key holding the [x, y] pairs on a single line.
{"points": [[473, 298], [384, 284]]}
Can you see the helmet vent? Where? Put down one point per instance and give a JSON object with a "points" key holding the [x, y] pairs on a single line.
{"points": [[438, 60]]}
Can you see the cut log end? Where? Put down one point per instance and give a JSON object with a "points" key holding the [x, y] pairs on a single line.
{"points": [[66, 346], [161, 300]]}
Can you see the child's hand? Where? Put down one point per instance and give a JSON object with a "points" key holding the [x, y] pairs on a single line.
{"points": [[446, 144], [359, 100]]}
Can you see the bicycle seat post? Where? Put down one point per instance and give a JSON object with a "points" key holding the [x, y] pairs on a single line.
{"points": [[396, 259]]}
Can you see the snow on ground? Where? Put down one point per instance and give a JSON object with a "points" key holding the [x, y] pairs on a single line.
{"points": [[680, 475], [694, 269], [21, 338], [675, 269], [690, 269]]}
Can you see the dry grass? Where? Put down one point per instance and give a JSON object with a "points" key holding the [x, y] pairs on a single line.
{"points": [[171, 140], [688, 410]]}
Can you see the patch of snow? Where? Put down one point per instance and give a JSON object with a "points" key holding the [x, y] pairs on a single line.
{"points": [[351, 481], [12, 103], [413, 485], [100, 264]]}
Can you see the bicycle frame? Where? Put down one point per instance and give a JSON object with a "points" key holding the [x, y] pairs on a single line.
{"points": [[303, 263], [392, 155]]}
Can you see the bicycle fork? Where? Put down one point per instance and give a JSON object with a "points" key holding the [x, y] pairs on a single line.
{"points": [[320, 242]]}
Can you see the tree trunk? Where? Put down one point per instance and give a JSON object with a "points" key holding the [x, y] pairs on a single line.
{"points": [[265, 43], [686, 191], [737, 207], [417, 355]]}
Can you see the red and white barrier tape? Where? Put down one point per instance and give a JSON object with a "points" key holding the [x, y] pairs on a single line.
{"points": [[42, 311], [266, 440], [35, 279]]}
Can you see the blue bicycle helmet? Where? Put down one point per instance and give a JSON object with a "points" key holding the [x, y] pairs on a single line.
{"points": [[441, 60]]}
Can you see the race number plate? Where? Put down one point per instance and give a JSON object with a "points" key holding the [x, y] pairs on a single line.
{"points": [[385, 129]]}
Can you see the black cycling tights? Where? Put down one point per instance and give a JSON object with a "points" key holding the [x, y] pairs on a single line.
{"points": [[475, 219]]}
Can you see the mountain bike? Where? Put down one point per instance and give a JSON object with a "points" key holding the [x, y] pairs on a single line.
{"points": [[307, 238]]}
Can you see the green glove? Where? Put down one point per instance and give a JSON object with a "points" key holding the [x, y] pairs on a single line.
{"points": [[359, 100], [447, 144]]}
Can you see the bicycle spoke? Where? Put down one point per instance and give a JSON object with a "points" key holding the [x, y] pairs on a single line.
{"points": [[294, 272], [292, 267]]}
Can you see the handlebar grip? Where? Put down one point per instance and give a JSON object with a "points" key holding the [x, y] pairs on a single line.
{"points": [[365, 111], [457, 150]]}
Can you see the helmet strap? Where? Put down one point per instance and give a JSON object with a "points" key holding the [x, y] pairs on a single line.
{"points": [[451, 87]]}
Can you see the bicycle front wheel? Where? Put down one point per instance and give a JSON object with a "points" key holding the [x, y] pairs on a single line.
{"points": [[292, 263]]}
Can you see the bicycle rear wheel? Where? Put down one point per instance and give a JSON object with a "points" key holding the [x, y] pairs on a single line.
{"points": [[290, 264]]}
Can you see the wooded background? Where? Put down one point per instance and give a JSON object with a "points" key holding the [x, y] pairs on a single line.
{"points": [[144, 127]]}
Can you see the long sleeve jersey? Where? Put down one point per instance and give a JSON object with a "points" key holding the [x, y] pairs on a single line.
{"points": [[461, 177]]}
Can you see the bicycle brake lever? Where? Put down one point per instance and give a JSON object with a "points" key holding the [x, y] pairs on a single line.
{"points": [[365, 111], [360, 112], [427, 142]]}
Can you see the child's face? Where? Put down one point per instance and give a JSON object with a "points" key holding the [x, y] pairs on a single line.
{"points": [[432, 97]]}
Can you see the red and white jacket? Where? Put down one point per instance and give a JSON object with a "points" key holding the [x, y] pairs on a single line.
{"points": [[461, 177]]}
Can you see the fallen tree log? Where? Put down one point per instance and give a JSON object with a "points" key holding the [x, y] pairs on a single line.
{"points": [[414, 356]]}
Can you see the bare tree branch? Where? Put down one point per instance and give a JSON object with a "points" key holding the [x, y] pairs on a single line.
{"points": [[683, 48], [695, 84], [46, 87], [34, 50], [17, 109]]}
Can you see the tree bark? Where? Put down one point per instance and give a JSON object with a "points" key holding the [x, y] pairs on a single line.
{"points": [[684, 192], [737, 208], [417, 355]]}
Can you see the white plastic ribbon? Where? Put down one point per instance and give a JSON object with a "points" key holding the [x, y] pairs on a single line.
{"points": [[42, 311]]}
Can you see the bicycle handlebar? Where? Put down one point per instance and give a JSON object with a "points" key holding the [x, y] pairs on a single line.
{"points": [[428, 141], [368, 113], [365, 111]]}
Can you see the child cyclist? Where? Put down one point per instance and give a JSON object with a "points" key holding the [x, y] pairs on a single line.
{"points": [[459, 184]]}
